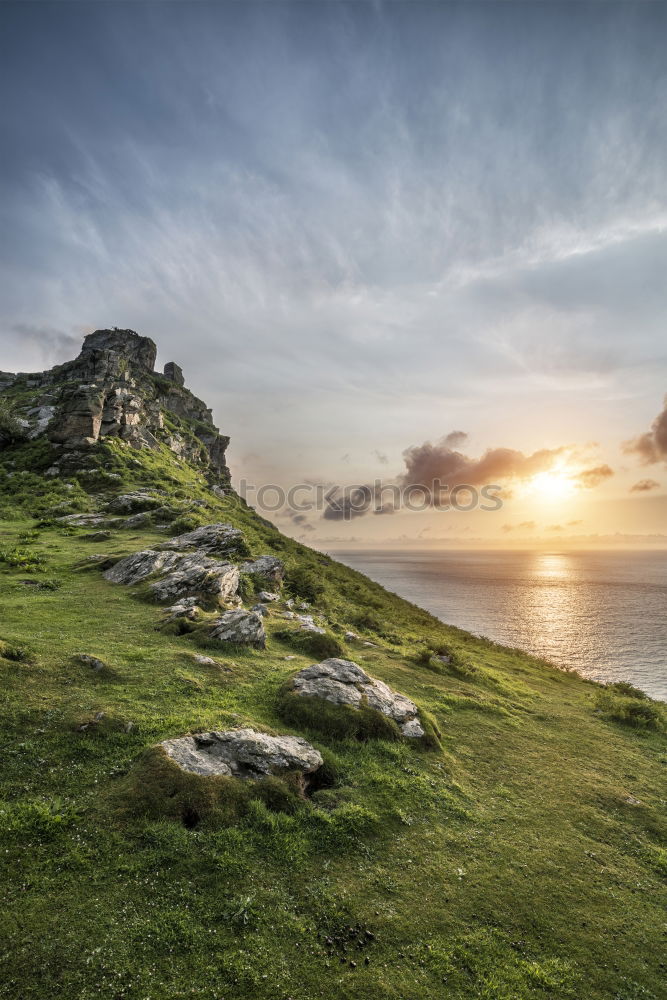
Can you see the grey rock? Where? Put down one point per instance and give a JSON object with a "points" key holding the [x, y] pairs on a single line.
{"points": [[260, 609], [350, 636], [205, 661], [185, 608], [242, 753], [267, 568], [174, 373], [268, 595], [129, 503], [198, 574], [140, 565], [221, 539], [308, 624], [88, 520], [91, 661], [98, 536], [181, 574], [343, 682], [138, 351], [240, 626], [140, 520]]}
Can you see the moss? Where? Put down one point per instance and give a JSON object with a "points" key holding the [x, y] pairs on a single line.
{"points": [[157, 788], [338, 722], [319, 645]]}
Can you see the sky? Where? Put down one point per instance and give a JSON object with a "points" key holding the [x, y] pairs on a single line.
{"points": [[382, 239]]}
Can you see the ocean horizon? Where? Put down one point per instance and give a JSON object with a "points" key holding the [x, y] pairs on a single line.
{"points": [[602, 613]]}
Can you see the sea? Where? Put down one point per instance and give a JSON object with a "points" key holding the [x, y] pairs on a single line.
{"points": [[602, 613]]}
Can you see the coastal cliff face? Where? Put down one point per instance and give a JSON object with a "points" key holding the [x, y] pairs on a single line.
{"points": [[112, 391]]}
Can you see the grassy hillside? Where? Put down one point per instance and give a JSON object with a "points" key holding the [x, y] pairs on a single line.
{"points": [[521, 859]]}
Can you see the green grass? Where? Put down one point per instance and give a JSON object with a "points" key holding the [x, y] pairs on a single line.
{"points": [[523, 858]]}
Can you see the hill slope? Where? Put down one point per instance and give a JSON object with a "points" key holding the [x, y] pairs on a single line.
{"points": [[518, 856]]}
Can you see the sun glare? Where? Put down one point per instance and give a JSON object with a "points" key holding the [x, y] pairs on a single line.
{"points": [[552, 485]]}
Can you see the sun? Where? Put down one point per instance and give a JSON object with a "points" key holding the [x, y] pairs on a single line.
{"points": [[552, 485]]}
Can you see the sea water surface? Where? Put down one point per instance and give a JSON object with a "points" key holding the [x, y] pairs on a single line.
{"points": [[601, 613]]}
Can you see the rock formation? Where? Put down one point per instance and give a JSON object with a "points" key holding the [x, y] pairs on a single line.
{"points": [[343, 682], [112, 391], [240, 626], [180, 574], [242, 753]]}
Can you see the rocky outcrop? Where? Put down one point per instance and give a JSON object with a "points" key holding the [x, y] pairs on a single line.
{"points": [[221, 539], [240, 626], [111, 391], [343, 682], [197, 574], [180, 574], [266, 568], [140, 565], [242, 753]]}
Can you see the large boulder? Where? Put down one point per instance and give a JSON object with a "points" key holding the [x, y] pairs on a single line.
{"points": [[197, 574], [137, 351], [242, 753], [181, 574], [266, 568], [140, 565], [343, 682], [220, 539], [240, 626]]}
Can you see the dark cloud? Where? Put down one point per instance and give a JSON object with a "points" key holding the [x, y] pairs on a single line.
{"points": [[54, 345], [455, 439], [428, 464], [644, 485], [590, 478], [652, 445], [353, 502]]}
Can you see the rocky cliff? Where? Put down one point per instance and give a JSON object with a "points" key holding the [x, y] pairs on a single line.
{"points": [[111, 390]]}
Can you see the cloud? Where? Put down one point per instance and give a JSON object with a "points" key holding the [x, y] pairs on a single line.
{"points": [[590, 478], [522, 526], [430, 464], [652, 445], [53, 344], [644, 485], [381, 457]]}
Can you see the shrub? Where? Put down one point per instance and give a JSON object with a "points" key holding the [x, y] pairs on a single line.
{"points": [[622, 687], [24, 559], [17, 654], [638, 712], [423, 657], [36, 818], [321, 646], [304, 583], [12, 430], [366, 619]]}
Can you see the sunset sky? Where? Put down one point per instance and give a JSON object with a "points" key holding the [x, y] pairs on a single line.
{"points": [[361, 232]]}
